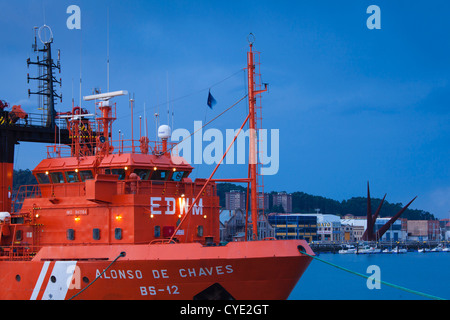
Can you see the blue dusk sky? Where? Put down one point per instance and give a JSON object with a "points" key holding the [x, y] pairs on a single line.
{"points": [[352, 104]]}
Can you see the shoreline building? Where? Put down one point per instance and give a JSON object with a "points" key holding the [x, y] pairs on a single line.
{"points": [[294, 226], [328, 227], [232, 224], [394, 233], [358, 226], [263, 200], [423, 230], [397, 232], [284, 200], [234, 200]]}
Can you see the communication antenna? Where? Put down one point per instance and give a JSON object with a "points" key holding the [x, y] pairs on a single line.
{"points": [[156, 124], [145, 119], [172, 116], [81, 42], [46, 79], [168, 104], [107, 49], [132, 129]]}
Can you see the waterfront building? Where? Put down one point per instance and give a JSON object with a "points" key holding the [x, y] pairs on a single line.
{"points": [[233, 226], [394, 233], [265, 229], [263, 200], [434, 230], [397, 232], [328, 227], [423, 230], [445, 229], [233, 222], [284, 200], [294, 226], [347, 233], [358, 225], [234, 200]]}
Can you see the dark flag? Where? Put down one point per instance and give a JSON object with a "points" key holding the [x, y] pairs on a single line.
{"points": [[211, 101]]}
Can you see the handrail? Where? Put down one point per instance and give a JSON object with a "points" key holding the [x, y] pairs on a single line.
{"points": [[119, 147], [162, 241], [18, 252]]}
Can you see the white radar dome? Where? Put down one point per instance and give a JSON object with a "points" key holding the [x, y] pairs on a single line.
{"points": [[4, 215], [164, 132]]}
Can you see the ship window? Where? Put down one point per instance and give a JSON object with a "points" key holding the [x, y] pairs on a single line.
{"points": [[43, 178], [157, 231], [160, 175], [118, 233], [86, 175], [71, 176], [177, 176], [199, 231], [17, 220], [96, 234], [19, 235], [142, 173], [119, 172], [57, 177], [70, 234]]}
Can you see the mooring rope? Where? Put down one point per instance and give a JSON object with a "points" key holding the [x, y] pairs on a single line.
{"points": [[122, 254], [429, 296]]}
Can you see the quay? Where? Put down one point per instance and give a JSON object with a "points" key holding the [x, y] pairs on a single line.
{"points": [[334, 247]]}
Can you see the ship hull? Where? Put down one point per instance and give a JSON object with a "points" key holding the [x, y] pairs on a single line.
{"points": [[254, 270]]}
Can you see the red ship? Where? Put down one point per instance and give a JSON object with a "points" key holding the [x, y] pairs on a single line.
{"points": [[127, 222]]}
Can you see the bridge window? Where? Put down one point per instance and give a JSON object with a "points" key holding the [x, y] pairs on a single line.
{"points": [[157, 232], [178, 176], [86, 175], [71, 176], [43, 178], [144, 174], [160, 174], [57, 177], [119, 172]]}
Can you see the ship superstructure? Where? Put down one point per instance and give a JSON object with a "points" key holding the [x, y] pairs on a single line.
{"points": [[124, 220]]}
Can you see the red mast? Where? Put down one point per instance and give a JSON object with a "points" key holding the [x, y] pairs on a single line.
{"points": [[253, 161]]}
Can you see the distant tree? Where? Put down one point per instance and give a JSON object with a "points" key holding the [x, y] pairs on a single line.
{"points": [[277, 209], [22, 178]]}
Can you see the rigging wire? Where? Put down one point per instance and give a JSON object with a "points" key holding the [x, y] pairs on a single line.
{"points": [[229, 108], [156, 106], [429, 296]]}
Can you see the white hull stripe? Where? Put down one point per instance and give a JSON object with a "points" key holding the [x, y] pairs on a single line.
{"points": [[38, 285], [58, 282]]}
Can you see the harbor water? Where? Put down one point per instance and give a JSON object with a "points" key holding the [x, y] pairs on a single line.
{"points": [[423, 272]]}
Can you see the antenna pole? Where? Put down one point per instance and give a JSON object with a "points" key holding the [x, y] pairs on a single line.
{"points": [[132, 132], [252, 93], [81, 50], [107, 49], [168, 105], [252, 142]]}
